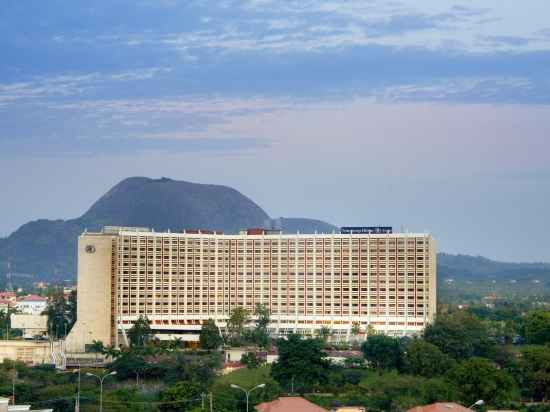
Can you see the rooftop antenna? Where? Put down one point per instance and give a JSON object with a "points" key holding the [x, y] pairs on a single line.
{"points": [[9, 286]]}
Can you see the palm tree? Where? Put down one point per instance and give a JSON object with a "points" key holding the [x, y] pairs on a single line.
{"points": [[111, 351], [176, 343], [97, 347]]}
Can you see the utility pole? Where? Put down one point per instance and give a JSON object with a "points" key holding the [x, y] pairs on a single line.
{"points": [[14, 377]]}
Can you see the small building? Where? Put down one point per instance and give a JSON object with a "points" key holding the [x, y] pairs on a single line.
{"points": [[6, 407], [349, 409], [29, 352], [289, 404], [32, 326], [440, 407], [9, 296], [32, 304]]}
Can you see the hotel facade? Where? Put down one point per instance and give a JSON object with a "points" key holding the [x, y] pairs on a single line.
{"points": [[307, 281]]}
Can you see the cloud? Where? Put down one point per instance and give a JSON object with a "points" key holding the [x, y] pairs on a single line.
{"points": [[115, 146], [70, 84], [508, 40], [483, 90]]}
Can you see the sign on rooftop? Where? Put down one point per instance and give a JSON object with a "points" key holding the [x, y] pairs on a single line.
{"points": [[365, 230]]}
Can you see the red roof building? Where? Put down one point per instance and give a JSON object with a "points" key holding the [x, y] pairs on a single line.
{"points": [[33, 298], [440, 407], [289, 404]]}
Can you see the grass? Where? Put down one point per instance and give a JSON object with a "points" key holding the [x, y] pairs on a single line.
{"points": [[245, 377]]}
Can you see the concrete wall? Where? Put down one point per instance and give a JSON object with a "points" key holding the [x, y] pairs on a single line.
{"points": [[33, 353], [31, 325], [94, 293]]}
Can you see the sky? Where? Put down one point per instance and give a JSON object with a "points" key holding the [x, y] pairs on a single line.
{"points": [[428, 115]]}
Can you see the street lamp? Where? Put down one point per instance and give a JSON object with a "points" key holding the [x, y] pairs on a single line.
{"points": [[101, 378], [77, 400], [247, 393], [477, 403]]}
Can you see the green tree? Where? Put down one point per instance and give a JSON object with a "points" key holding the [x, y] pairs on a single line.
{"points": [[301, 364], [131, 364], [537, 327], [183, 396], [59, 315], [355, 329], [261, 333], [210, 337], [478, 378], [425, 359], [96, 347], [383, 352], [140, 332], [535, 371], [251, 360], [71, 309], [324, 333], [238, 318], [176, 343], [460, 335]]}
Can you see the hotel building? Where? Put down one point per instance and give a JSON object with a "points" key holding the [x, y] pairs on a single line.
{"points": [[307, 281]]}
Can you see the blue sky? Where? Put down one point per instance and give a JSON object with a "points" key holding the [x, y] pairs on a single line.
{"points": [[431, 115]]}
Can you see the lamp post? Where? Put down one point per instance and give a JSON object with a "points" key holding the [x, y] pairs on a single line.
{"points": [[101, 379], [477, 403], [77, 403], [247, 393], [77, 399]]}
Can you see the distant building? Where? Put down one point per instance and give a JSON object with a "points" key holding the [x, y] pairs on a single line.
{"points": [[289, 404], [9, 296], [440, 407], [386, 281], [6, 407], [32, 304], [31, 325]]}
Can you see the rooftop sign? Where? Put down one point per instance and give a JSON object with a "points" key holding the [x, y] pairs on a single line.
{"points": [[365, 230]]}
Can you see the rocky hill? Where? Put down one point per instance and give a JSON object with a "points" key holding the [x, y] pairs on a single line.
{"points": [[47, 248]]}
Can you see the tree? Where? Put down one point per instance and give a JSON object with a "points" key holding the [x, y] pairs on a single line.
{"points": [[97, 347], [535, 371], [251, 360], [59, 315], [537, 327], [140, 333], [478, 378], [183, 396], [262, 316], [460, 335], [210, 337], [355, 329], [238, 318], [130, 364], [301, 363], [425, 359], [176, 343], [324, 333], [383, 352], [261, 334], [71, 309]]}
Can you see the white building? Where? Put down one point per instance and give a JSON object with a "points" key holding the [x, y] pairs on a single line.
{"points": [[32, 326], [31, 304], [386, 281]]}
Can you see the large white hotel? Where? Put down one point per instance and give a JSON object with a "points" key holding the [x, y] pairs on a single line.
{"points": [[307, 281]]}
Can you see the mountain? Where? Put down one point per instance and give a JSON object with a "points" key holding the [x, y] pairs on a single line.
{"points": [[303, 225], [47, 248], [477, 267]]}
